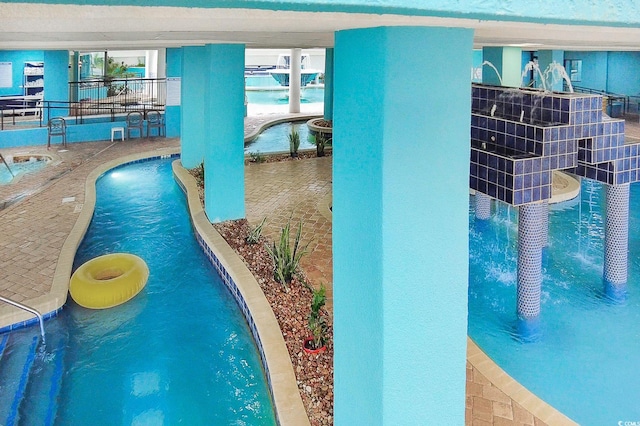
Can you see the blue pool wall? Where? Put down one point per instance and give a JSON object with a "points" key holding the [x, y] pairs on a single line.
{"points": [[400, 311]]}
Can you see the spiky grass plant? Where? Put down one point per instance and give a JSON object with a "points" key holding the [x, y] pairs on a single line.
{"points": [[254, 234], [317, 322], [294, 141], [286, 257]]}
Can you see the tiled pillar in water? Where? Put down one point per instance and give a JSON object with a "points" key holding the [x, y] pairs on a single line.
{"points": [[483, 206], [545, 223], [616, 240], [530, 235]]}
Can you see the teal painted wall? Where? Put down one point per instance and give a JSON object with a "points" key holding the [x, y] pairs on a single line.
{"points": [[88, 132], [224, 150], [624, 73], [56, 80], [400, 202], [594, 69], [17, 59], [195, 75], [577, 11], [507, 61], [172, 113]]}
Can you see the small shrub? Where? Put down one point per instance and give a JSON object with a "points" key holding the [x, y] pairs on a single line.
{"points": [[317, 322], [256, 157], [321, 141], [256, 233], [286, 258], [198, 173], [294, 141]]}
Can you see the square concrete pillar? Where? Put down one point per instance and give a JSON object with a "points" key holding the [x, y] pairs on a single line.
{"points": [[402, 105]]}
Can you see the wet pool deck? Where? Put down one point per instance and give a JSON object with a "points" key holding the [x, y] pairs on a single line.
{"points": [[38, 212]]}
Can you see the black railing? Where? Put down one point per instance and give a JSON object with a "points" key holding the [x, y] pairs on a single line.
{"points": [[106, 97], [610, 97], [115, 95]]}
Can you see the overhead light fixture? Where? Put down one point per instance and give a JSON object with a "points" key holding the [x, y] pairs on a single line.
{"points": [[525, 45]]}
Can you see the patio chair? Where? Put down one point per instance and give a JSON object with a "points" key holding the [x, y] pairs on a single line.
{"points": [[57, 127], [155, 120], [135, 122]]}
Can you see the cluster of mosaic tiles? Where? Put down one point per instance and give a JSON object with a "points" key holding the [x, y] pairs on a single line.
{"points": [[519, 136]]}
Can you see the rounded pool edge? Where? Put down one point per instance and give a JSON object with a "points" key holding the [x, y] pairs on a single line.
{"points": [[281, 119], [519, 394]]}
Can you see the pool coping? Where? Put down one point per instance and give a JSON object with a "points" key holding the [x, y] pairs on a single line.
{"points": [[513, 389]]}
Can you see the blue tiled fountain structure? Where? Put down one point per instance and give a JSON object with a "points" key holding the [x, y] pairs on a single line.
{"points": [[518, 138]]}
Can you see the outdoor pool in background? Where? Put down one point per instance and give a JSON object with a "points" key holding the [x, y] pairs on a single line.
{"points": [[276, 138], [585, 362], [180, 352], [265, 90]]}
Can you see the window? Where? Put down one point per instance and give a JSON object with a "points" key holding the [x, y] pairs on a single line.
{"points": [[574, 69]]}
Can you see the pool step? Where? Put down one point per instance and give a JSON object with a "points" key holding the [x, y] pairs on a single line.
{"points": [[17, 361], [40, 404]]}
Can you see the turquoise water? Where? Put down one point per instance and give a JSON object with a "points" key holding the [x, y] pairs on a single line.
{"points": [[276, 138], [180, 352], [19, 169], [586, 360]]}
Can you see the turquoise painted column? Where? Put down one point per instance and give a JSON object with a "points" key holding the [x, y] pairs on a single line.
{"points": [[552, 73], [173, 73], [400, 205], [195, 77], [56, 82], [508, 63], [224, 151], [328, 84]]}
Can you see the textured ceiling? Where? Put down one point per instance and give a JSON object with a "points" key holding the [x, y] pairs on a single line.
{"points": [[38, 26]]}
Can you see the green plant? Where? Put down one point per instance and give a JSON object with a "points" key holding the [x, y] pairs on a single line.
{"points": [[198, 173], [317, 321], [255, 233], [294, 141], [321, 141], [286, 258], [256, 157]]}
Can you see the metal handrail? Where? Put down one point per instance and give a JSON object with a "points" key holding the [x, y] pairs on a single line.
{"points": [[28, 309], [5, 163]]}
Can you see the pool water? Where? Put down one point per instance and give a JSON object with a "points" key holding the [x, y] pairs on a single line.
{"points": [[276, 138], [308, 95], [19, 169], [180, 352], [585, 362]]}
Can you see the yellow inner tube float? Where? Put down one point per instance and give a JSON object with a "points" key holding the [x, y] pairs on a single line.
{"points": [[109, 280]]}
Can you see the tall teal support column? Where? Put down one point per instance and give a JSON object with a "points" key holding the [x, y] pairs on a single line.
{"points": [[74, 75], [508, 63], [328, 84], [553, 79], [224, 151], [173, 73], [400, 204], [56, 82], [195, 77]]}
